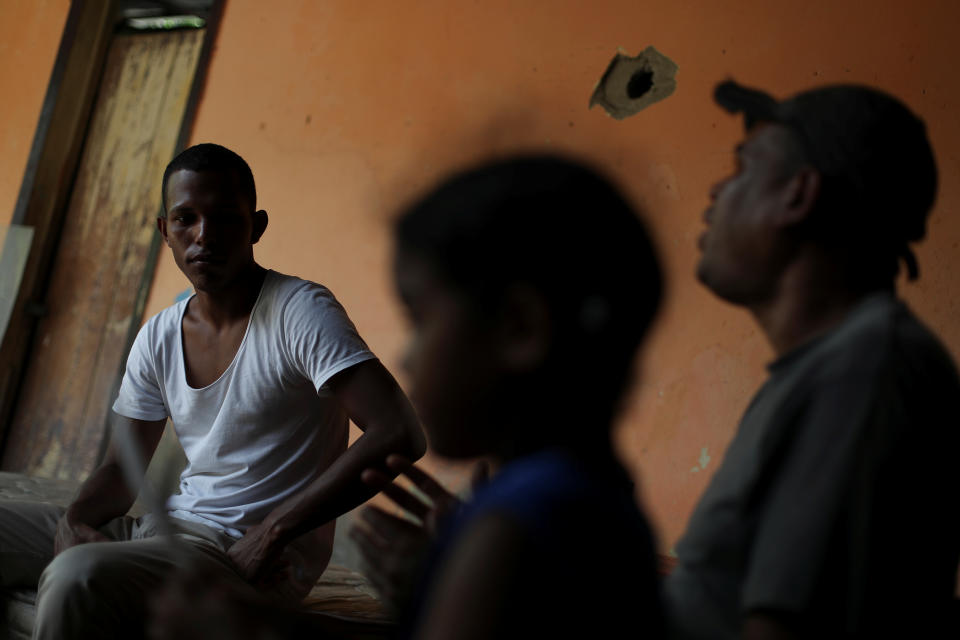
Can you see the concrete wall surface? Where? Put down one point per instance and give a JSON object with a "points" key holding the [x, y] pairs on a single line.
{"points": [[29, 37], [346, 109]]}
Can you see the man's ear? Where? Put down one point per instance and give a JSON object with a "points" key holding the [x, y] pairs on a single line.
{"points": [[800, 196], [525, 330], [259, 225], [162, 228]]}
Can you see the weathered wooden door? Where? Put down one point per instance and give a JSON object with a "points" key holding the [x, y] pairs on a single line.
{"points": [[97, 285]]}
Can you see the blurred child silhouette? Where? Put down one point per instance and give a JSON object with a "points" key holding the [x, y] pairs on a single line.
{"points": [[529, 284]]}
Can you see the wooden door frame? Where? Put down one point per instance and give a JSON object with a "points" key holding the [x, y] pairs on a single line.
{"points": [[51, 171]]}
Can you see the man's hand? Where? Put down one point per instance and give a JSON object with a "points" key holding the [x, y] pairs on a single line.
{"points": [[394, 548], [256, 553], [105, 494], [271, 568], [393, 551], [433, 511], [70, 534]]}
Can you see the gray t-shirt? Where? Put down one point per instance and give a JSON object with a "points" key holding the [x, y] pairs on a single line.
{"points": [[836, 500]]}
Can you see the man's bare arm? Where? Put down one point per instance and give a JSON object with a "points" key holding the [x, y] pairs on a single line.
{"points": [[377, 405], [105, 494]]}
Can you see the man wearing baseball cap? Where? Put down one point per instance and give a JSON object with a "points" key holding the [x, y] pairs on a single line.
{"points": [[834, 511]]}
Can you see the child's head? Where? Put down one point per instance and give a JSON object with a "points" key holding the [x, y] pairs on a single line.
{"points": [[530, 283]]}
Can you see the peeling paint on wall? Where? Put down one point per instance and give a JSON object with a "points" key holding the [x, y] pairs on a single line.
{"points": [[704, 458], [702, 461], [630, 85]]}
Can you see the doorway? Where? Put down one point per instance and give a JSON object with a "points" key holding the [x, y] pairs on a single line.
{"points": [[95, 289]]}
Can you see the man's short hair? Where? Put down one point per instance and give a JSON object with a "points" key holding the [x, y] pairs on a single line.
{"points": [[212, 157], [879, 176]]}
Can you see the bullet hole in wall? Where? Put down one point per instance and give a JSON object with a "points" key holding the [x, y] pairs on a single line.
{"points": [[631, 84], [640, 82]]}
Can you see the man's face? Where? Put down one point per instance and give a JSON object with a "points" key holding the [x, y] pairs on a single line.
{"points": [[743, 248], [210, 227]]}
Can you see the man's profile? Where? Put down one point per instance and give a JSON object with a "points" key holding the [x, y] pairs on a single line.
{"points": [[831, 514]]}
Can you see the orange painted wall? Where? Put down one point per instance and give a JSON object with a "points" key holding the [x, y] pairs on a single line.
{"points": [[344, 108], [30, 33]]}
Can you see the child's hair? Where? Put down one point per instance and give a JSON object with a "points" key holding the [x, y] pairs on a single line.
{"points": [[557, 226]]}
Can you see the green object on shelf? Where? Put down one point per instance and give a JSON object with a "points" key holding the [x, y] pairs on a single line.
{"points": [[162, 23]]}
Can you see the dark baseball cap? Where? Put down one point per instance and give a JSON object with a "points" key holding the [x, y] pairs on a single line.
{"points": [[878, 171]]}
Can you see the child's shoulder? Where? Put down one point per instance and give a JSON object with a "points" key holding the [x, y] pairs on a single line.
{"points": [[537, 475], [551, 486]]}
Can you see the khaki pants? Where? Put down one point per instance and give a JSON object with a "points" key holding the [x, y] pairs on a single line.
{"points": [[100, 590]]}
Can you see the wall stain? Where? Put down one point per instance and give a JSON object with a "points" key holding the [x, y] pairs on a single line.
{"points": [[702, 461]]}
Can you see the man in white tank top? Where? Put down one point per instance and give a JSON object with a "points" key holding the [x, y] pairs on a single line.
{"points": [[259, 373]]}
